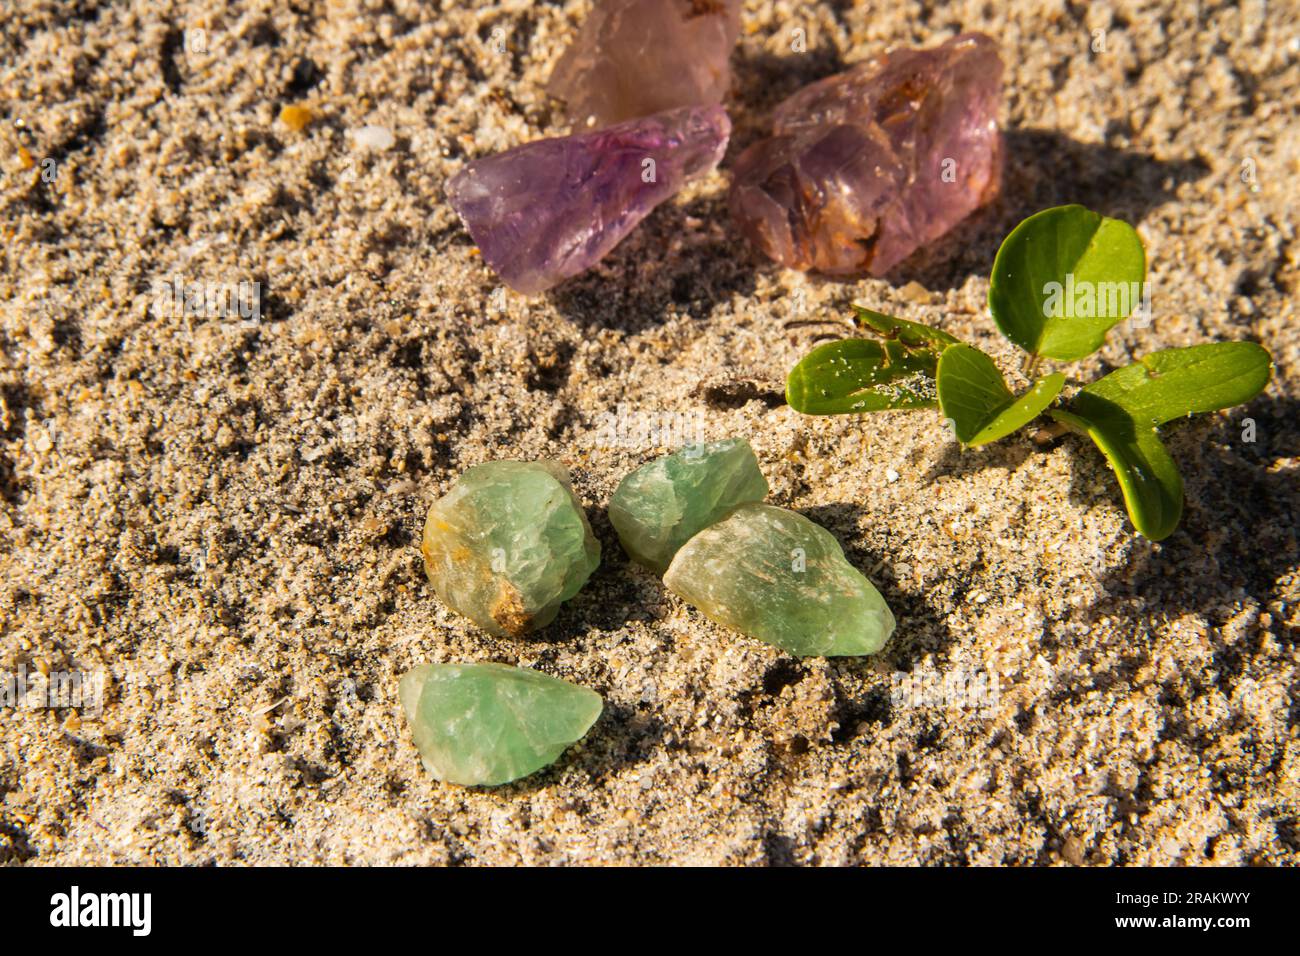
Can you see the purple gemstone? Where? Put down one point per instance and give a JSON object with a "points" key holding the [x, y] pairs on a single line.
{"points": [[865, 167], [637, 57], [547, 210]]}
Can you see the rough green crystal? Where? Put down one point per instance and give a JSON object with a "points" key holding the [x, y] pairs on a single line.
{"points": [[488, 724], [508, 544], [661, 505], [772, 574]]}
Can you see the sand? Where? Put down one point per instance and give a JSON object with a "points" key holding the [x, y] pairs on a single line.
{"points": [[222, 515]]}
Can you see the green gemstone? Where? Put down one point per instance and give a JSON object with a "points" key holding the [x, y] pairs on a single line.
{"points": [[488, 724], [772, 574], [508, 544], [660, 506]]}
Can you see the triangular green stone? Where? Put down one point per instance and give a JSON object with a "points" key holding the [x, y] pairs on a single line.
{"points": [[488, 724]]}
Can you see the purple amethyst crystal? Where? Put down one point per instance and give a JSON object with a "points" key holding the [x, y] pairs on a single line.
{"points": [[865, 167], [636, 57], [547, 210]]}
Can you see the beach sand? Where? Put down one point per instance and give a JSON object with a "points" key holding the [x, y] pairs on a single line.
{"points": [[223, 515]]}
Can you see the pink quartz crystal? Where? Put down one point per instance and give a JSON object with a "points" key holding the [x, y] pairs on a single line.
{"points": [[865, 167], [547, 210], [636, 57]]}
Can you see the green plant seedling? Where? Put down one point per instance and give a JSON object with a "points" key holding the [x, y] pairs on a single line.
{"points": [[1122, 412], [1061, 280]]}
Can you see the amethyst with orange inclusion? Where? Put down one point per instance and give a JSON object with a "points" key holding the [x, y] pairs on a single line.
{"points": [[865, 167]]}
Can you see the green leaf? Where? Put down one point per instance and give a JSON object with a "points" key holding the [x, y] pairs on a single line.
{"points": [[1152, 487], [860, 375], [1063, 278], [911, 334], [1176, 382], [1122, 411], [974, 396]]}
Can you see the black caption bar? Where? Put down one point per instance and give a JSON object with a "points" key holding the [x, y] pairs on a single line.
{"points": [[300, 906]]}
